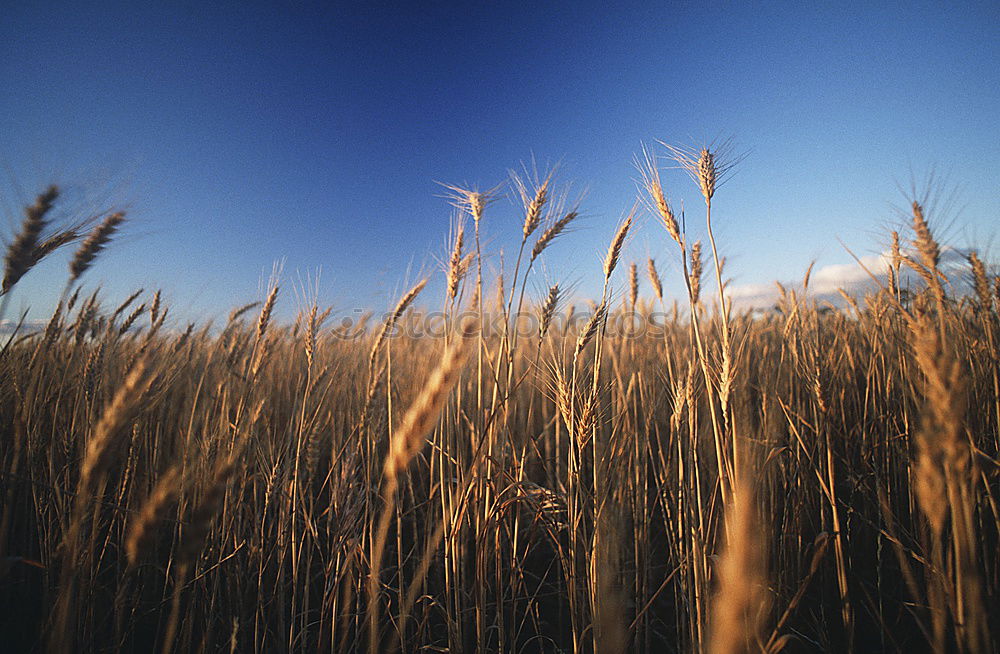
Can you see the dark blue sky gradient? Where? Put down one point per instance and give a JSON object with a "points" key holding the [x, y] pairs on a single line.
{"points": [[240, 133]]}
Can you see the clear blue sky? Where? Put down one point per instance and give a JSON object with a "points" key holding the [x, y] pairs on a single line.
{"points": [[238, 133]]}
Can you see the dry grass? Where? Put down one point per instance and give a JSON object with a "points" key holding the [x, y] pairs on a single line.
{"points": [[809, 478]]}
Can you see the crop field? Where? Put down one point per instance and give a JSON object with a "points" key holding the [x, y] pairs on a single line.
{"points": [[498, 469]]}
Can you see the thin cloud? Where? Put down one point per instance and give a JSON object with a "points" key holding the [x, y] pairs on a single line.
{"points": [[854, 278]]}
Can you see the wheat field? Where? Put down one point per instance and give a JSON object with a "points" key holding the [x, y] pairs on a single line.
{"points": [[498, 470]]}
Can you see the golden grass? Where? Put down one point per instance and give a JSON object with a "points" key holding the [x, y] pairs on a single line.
{"points": [[809, 478]]}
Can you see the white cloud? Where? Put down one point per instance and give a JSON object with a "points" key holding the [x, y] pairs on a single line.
{"points": [[854, 278]]}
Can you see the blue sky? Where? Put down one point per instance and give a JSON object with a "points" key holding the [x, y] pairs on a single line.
{"points": [[237, 133]]}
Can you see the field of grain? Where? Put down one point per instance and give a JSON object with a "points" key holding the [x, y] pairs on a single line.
{"points": [[492, 471]]}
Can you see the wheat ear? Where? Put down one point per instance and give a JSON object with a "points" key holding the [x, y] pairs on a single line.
{"points": [[161, 500], [407, 440], [94, 243], [741, 600], [20, 254]]}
